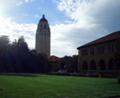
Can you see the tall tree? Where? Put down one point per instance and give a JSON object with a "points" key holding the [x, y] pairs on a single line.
{"points": [[4, 45], [22, 45]]}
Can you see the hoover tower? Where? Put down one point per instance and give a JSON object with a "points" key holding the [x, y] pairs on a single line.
{"points": [[42, 44]]}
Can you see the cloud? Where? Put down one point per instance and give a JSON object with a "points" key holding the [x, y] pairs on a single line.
{"points": [[21, 2], [67, 37], [104, 13], [64, 37], [15, 30], [90, 19], [8, 5], [76, 9], [28, 1]]}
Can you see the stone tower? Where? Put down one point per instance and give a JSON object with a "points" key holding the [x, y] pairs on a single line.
{"points": [[43, 37]]}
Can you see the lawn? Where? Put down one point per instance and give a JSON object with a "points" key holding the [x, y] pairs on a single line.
{"points": [[46, 86]]}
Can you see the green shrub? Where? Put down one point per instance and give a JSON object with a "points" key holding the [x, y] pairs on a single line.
{"points": [[119, 79]]}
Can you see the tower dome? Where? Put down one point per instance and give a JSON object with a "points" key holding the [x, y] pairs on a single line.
{"points": [[43, 19]]}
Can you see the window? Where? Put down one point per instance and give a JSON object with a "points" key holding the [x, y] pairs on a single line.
{"points": [[91, 51], [84, 52], [101, 50], [111, 48], [92, 65], [85, 65], [102, 65]]}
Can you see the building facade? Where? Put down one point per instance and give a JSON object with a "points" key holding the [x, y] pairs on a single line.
{"points": [[42, 44], [99, 57]]}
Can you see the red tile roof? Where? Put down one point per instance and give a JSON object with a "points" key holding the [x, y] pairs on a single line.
{"points": [[107, 38], [54, 58]]}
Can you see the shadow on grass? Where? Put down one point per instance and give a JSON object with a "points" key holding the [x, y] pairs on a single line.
{"points": [[118, 96], [20, 74]]}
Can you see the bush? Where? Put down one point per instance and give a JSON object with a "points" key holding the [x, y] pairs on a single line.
{"points": [[119, 79]]}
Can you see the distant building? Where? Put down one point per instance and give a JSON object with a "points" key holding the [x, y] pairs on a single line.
{"points": [[98, 57], [43, 37]]}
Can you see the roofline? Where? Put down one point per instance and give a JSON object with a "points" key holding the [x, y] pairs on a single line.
{"points": [[83, 46], [88, 44]]}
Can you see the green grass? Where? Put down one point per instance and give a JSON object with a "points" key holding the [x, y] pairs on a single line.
{"points": [[46, 86]]}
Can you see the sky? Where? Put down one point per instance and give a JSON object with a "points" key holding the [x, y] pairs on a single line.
{"points": [[72, 22]]}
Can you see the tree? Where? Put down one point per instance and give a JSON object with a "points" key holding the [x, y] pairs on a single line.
{"points": [[4, 45], [74, 63], [16, 57], [66, 63], [22, 45], [54, 62]]}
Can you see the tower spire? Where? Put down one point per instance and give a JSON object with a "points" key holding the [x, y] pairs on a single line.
{"points": [[43, 16]]}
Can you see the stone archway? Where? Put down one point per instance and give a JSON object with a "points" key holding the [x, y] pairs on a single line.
{"points": [[92, 65], [85, 65], [102, 65], [111, 64]]}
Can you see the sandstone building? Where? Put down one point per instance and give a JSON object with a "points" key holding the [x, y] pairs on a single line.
{"points": [[42, 44], [99, 57]]}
